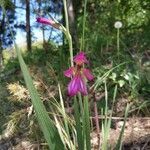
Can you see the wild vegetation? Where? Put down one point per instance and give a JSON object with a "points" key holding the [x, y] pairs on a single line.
{"points": [[89, 92]]}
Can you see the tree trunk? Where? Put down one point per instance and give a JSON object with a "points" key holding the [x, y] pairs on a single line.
{"points": [[43, 30], [2, 33], [28, 28], [1, 59]]}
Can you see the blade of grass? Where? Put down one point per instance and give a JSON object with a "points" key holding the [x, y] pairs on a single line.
{"points": [[86, 123], [97, 122], [106, 124], [63, 134], [119, 141], [47, 127], [58, 114], [64, 115], [80, 139]]}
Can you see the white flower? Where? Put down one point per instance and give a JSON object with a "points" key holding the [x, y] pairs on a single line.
{"points": [[118, 24]]}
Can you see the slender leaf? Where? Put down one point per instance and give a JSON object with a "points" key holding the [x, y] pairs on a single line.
{"points": [[119, 141], [80, 139], [87, 123]]}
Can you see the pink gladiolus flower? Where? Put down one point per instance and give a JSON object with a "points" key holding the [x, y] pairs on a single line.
{"points": [[79, 76], [80, 58], [48, 22]]}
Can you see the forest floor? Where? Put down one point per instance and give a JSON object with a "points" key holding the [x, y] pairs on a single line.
{"points": [[15, 128]]}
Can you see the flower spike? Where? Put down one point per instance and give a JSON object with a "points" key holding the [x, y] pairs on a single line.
{"points": [[79, 76], [48, 22]]}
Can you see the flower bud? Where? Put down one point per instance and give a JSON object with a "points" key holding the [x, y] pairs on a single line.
{"points": [[48, 22]]}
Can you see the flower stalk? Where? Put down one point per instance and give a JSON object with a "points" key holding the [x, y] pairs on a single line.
{"points": [[83, 27], [118, 25], [118, 44], [86, 123], [77, 86], [67, 33]]}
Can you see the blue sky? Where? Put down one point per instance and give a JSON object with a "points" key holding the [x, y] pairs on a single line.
{"points": [[21, 35]]}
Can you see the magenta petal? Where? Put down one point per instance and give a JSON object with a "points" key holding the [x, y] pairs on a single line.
{"points": [[82, 86], [87, 74], [73, 87], [80, 58], [68, 73], [76, 85]]}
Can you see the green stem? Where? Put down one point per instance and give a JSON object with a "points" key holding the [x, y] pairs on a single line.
{"points": [[86, 123], [70, 49], [80, 103], [118, 44], [79, 128], [106, 100], [67, 32], [66, 15], [83, 27], [97, 122]]}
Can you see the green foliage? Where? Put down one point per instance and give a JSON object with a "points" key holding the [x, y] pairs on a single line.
{"points": [[100, 27], [128, 72], [7, 4]]}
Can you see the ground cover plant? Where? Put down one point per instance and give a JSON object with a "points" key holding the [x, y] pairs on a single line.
{"points": [[92, 93]]}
